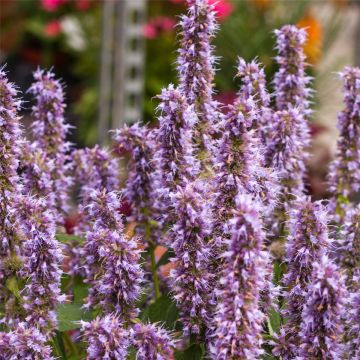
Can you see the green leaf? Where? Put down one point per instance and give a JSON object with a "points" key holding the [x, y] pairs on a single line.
{"points": [[165, 258], [69, 316], [13, 287], [65, 238], [163, 310], [80, 290], [274, 322], [193, 352]]}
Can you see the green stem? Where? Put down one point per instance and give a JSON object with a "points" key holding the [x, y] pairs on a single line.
{"points": [[70, 344], [154, 272]]}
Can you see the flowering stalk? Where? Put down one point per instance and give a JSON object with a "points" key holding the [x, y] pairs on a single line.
{"points": [[321, 327], [349, 249], [291, 82], [139, 189], [191, 280], [42, 261], [106, 338], [152, 342], [10, 142], [354, 320], [344, 174], [175, 155], [26, 342], [112, 258], [286, 154], [195, 65], [307, 242], [238, 319], [49, 130]]}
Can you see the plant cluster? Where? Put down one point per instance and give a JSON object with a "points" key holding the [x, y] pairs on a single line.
{"points": [[212, 249]]}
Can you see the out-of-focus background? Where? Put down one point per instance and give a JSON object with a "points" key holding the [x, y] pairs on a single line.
{"points": [[115, 56]]}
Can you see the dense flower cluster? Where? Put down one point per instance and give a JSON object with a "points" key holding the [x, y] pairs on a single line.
{"points": [[321, 329], [223, 255], [152, 342], [238, 319], [49, 131], [344, 174], [191, 278], [24, 343], [106, 338]]}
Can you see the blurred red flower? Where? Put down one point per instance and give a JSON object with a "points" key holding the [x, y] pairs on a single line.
{"points": [[51, 5], [52, 28], [158, 25]]}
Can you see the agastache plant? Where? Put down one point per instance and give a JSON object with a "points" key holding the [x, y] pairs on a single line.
{"points": [[353, 317], [307, 242], [106, 338], [26, 342], [10, 188], [195, 65], [291, 81], [112, 259], [321, 330], [344, 173], [152, 342], [49, 131], [191, 278], [238, 318], [42, 263], [174, 158]]}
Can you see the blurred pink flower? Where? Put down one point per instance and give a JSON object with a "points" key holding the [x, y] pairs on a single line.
{"points": [[52, 28], [51, 5], [158, 25], [223, 8], [82, 5]]}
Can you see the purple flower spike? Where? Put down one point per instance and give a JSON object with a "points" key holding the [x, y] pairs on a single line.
{"points": [[321, 328], [354, 320], [139, 190], [344, 175], [42, 263], [107, 339], [286, 153], [95, 170], [291, 82], [239, 166], [308, 241], [191, 280], [112, 259], [195, 65], [152, 342], [238, 319], [349, 247], [10, 141], [50, 131], [24, 343]]}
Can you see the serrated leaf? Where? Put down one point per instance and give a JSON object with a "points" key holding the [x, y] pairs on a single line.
{"points": [[65, 238], [69, 316], [163, 310], [165, 258], [193, 352]]}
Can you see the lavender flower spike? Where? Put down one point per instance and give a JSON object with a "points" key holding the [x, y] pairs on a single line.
{"points": [[321, 328], [112, 259], [238, 319], [107, 338], [354, 320], [308, 241], [42, 263], [24, 343], [10, 141], [49, 130], [344, 175], [195, 65], [152, 342], [291, 82], [191, 278], [139, 189], [174, 158]]}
